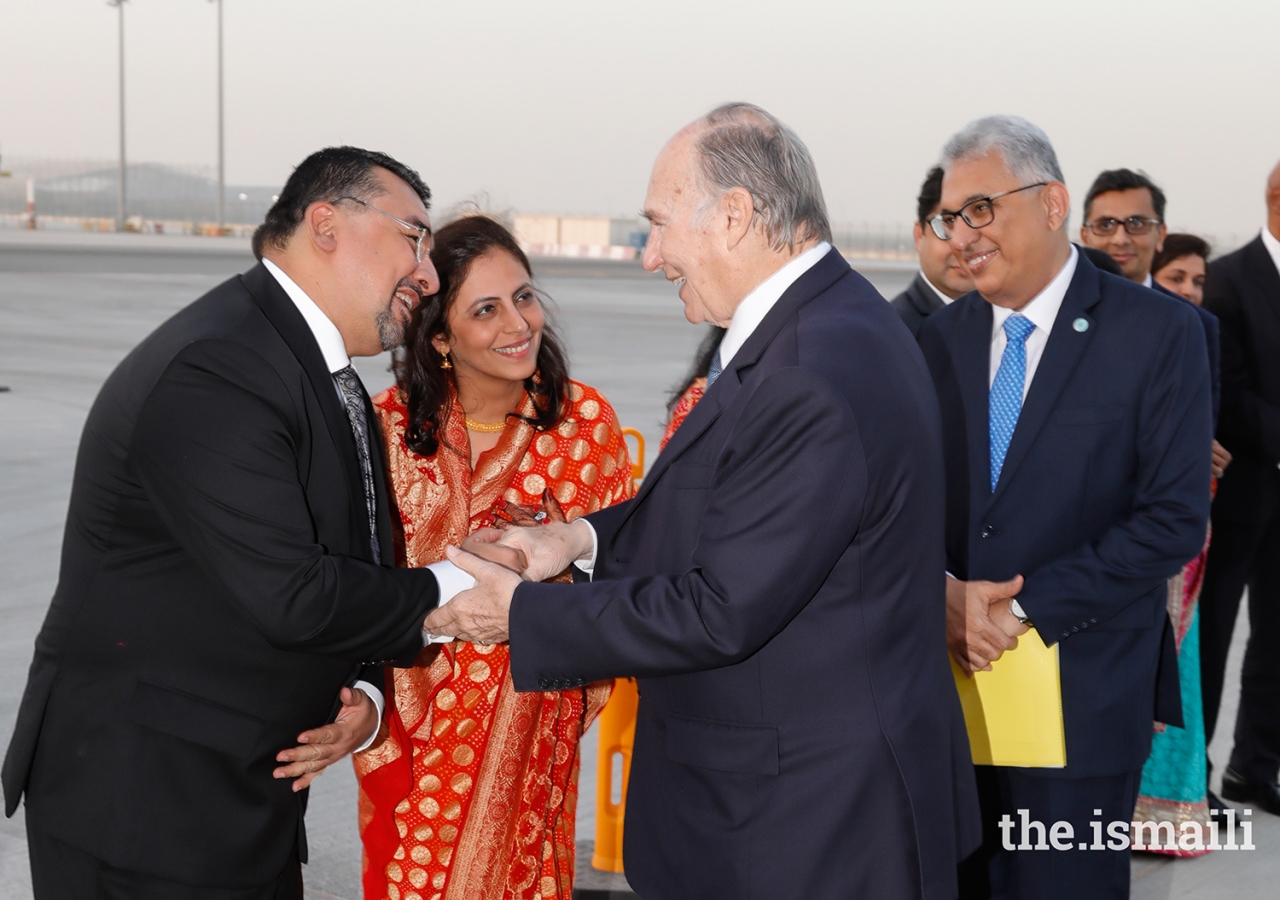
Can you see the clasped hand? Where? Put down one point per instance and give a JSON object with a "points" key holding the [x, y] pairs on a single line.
{"points": [[981, 627], [499, 559]]}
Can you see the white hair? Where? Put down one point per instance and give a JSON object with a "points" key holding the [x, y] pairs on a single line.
{"points": [[1025, 148], [741, 145]]}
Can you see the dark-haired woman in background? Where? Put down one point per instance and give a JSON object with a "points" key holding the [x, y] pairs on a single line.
{"points": [[685, 397], [1173, 779], [470, 789]]}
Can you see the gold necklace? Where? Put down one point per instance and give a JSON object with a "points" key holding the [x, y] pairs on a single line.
{"points": [[484, 427]]}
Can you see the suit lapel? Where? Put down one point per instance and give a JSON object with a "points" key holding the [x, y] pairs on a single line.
{"points": [[1061, 356], [1264, 275], [721, 394], [293, 329], [973, 364]]}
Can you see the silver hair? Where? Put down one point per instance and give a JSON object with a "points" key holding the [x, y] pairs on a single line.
{"points": [[742, 145], [1025, 148]]}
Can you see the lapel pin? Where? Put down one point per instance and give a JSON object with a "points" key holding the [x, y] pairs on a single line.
{"points": [[1081, 324]]}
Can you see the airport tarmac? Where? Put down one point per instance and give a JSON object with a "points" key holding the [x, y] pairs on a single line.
{"points": [[72, 305]]}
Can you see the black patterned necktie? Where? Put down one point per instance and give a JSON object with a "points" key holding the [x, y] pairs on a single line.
{"points": [[353, 398]]}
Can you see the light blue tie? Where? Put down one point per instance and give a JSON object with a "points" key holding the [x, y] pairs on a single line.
{"points": [[1005, 399], [714, 371]]}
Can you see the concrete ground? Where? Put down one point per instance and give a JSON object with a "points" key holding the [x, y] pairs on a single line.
{"points": [[72, 305]]}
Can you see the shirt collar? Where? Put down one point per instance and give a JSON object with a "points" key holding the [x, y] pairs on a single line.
{"points": [[322, 328], [1044, 306], [1273, 246], [756, 305], [1147, 282], [941, 296]]}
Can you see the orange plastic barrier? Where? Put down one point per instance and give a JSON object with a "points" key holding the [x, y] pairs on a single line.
{"points": [[637, 467], [613, 768]]}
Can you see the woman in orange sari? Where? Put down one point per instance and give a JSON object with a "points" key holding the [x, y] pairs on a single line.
{"points": [[469, 790]]}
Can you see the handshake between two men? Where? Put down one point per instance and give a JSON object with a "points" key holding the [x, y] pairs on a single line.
{"points": [[499, 559]]}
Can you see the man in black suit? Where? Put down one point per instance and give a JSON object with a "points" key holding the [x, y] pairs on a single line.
{"points": [[941, 278], [227, 563], [1243, 290], [1076, 427], [1124, 218], [776, 584]]}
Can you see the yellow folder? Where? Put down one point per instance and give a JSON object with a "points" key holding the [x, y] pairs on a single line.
{"points": [[1014, 712]]}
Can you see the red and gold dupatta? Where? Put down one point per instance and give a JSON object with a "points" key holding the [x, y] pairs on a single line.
{"points": [[470, 789]]}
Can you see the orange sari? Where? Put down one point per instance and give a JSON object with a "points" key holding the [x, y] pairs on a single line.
{"points": [[470, 789]]}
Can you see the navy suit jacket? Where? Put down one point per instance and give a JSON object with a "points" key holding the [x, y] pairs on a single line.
{"points": [[777, 586], [1104, 494], [1209, 322]]}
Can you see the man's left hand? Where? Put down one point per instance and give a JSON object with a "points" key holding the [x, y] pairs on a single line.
{"points": [[479, 615], [322, 747]]}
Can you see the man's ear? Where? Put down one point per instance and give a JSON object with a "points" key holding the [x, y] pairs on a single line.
{"points": [[739, 209], [917, 234], [1162, 233], [320, 221], [1057, 204]]}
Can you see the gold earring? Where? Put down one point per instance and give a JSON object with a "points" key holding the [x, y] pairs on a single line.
{"points": [[444, 361]]}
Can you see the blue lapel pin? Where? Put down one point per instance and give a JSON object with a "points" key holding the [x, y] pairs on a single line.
{"points": [[1081, 324]]}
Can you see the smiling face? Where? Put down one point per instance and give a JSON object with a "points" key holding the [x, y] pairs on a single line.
{"points": [[1132, 252], [939, 264], [686, 243], [377, 280], [494, 325], [1014, 257], [1184, 276]]}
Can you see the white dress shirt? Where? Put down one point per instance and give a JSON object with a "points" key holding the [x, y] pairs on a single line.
{"points": [[450, 579], [1042, 310], [746, 319], [1148, 281], [946, 301], [1272, 243]]}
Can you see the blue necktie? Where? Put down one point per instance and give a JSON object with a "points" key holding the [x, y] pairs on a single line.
{"points": [[1005, 399], [714, 372]]}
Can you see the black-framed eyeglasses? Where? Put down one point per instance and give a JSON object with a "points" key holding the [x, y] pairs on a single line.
{"points": [[1133, 225], [423, 232], [977, 213]]}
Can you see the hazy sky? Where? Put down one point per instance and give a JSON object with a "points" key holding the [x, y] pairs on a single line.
{"points": [[560, 107]]}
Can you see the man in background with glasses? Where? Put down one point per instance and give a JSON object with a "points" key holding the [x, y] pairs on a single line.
{"points": [[1076, 430], [941, 279]]}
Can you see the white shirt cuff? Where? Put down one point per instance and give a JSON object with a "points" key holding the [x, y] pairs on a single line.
{"points": [[1016, 608], [451, 581], [588, 565], [379, 701]]}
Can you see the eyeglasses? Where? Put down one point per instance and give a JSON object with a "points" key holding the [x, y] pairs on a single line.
{"points": [[423, 231], [1132, 225], [976, 213]]}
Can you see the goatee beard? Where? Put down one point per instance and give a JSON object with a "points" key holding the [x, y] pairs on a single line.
{"points": [[390, 331]]}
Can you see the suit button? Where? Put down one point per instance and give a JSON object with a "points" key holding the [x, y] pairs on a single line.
{"points": [[1093, 621], [543, 683], [988, 531], [1074, 629], [1066, 634]]}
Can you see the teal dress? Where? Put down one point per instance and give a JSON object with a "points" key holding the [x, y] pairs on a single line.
{"points": [[1173, 780]]}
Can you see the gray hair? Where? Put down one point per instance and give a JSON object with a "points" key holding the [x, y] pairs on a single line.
{"points": [[1023, 146], [741, 145]]}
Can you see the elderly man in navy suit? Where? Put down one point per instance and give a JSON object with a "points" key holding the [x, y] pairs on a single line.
{"points": [[777, 583], [1076, 427]]}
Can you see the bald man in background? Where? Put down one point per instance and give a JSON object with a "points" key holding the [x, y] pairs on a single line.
{"points": [[1243, 291]]}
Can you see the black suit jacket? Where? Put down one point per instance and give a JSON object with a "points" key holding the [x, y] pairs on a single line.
{"points": [[777, 585], [1103, 495], [216, 592], [1212, 340], [1243, 291], [917, 303]]}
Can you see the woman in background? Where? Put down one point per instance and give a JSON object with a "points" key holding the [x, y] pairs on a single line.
{"points": [[1173, 780], [685, 397], [470, 789]]}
